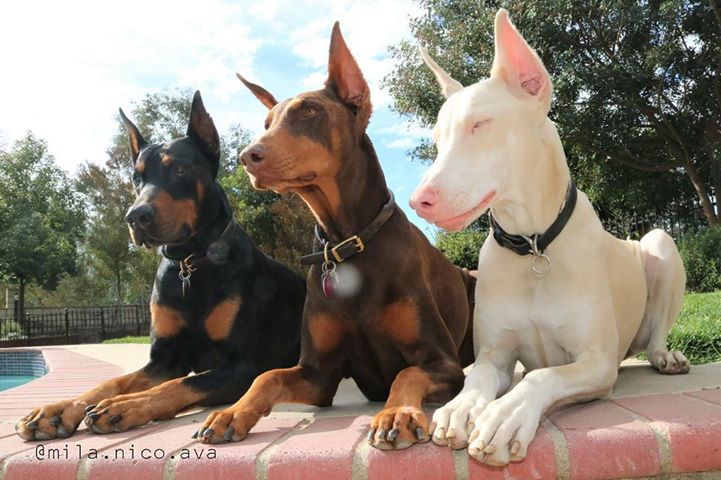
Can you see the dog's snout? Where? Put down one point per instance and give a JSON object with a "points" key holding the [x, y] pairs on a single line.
{"points": [[424, 200], [141, 216], [253, 154]]}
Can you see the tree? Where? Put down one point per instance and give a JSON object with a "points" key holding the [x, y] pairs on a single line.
{"points": [[41, 218], [637, 90], [461, 248]]}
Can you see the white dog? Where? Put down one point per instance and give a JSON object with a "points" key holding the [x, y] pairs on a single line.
{"points": [[570, 310]]}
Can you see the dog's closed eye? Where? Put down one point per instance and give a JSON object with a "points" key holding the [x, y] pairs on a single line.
{"points": [[479, 124]]}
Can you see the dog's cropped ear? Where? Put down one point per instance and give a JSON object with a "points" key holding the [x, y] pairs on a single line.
{"points": [[202, 129], [518, 64], [448, 84], [346, 79], [135, 139], [265, 97]]}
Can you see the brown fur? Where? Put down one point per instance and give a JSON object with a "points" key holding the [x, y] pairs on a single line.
{"points": [[166, 322], [400, 321], [326, 331], [177, 212], [221, 318]]}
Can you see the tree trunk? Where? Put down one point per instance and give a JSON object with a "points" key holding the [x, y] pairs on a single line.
{"points": [[711, 218]]}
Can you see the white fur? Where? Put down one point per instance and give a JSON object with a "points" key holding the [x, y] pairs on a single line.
{"points": [[603, 299]]}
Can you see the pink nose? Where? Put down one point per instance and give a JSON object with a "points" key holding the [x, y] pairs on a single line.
{"points": [[424, 201]]}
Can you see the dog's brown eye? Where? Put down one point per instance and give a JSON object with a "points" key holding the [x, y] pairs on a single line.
{"points": [[179, 171], [308, 111]]}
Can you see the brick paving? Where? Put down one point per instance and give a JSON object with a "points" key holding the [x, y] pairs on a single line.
{"points": [[666, 435]]}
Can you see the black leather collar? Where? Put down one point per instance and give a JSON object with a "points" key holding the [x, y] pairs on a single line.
{"points": [[538, 242], [352, 245]]}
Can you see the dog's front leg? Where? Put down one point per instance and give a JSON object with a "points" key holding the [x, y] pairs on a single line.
{"points": [[123, 412], [61, 419], [491, 375], [300, 384], [402, 422], [506, 426]]}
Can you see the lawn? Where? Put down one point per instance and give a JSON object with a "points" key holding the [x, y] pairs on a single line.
{"points": [[129, 340], [697, 332]]}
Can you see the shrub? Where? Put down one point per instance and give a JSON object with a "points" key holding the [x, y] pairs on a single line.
{"points": [[10, 329], [461, 248], [701, 253]]}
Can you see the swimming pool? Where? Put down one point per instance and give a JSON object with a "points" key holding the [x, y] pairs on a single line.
{"points": [[20, 366]]}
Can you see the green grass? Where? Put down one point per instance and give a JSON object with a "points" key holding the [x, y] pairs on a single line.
{"points": [[129, 340], [697, 333]]}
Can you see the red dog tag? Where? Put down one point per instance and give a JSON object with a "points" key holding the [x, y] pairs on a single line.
{"points": [[329, 283]]}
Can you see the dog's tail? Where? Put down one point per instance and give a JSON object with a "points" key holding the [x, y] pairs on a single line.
{"points": [[465, 352]]}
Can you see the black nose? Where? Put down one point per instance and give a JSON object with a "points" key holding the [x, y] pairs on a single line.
{"points": [[141, 216], [254, 153]]}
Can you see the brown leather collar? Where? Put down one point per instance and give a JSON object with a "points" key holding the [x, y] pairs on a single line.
{"points": [[352, 245]]}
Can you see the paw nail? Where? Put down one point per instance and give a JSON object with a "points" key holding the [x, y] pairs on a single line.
{"points": [[382, 433], [451, 433], [371, 434], [55, 421], [420, 434], [195, 434], [515, 447], [61, 432], [93, 416], [490, 449], [440, 433], [229, 432], [392, 435], [114, 419], [32, 425], [90, 408], [208, 432]]}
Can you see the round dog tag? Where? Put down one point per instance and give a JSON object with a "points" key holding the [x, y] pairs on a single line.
{"points": [[541, 267]]}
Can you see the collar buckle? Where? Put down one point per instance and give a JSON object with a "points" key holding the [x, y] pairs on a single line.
{"points": [[355, 240]]}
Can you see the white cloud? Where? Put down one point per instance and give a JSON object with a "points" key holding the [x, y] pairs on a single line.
{"points": [[68, 66], [403, 134]]}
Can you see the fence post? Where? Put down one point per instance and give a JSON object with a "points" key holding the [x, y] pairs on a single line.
{"points": [[27, 326], [137, 319], [102, 324], [67, 326]]}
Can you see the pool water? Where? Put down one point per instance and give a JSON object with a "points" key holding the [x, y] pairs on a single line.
{"points": [[10, 381]]}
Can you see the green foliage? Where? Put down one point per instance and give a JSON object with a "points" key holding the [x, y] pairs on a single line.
{"points": [[41, 216], [10, 329], [637, 91], [697, 333], [129, 340], [701, 253], [461, 248]]}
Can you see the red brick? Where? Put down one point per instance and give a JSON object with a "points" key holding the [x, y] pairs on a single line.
{"points": [[539, 464], [606, 442], [236, 460], [169, 437], [693, 426], [424, 461], [324, 449], [26, 464], [712, 395]]}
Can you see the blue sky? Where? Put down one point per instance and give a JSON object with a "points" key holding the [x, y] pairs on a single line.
{"points": [[68, 69]]}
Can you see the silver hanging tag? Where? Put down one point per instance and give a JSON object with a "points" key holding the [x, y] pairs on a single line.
{"points": [[540, 262]]}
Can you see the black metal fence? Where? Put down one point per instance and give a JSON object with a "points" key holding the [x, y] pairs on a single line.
{"points": [[63, 326]]}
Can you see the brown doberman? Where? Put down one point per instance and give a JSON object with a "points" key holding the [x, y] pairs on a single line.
{"points": [[404, 332]]}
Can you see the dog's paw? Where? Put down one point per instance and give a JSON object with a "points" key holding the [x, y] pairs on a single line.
{"points": [[450, 425], [670, 363], [396, 428], [503, 431], [118, 414], [56, 420], [229, 425]]}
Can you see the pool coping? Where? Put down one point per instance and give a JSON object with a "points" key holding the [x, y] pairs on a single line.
{"points": [[671, 434]]}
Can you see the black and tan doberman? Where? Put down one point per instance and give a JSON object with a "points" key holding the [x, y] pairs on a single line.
{"points": [[404, 332], [219, 307]]}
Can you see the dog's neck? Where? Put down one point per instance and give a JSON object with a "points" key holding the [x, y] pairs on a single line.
{"points": [[532, 203], [218, 213], [347, 203]]}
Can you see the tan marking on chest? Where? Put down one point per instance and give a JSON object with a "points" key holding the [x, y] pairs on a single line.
{"points": [[326, 332], [166, 321], [400, 321], [220, 320]]}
